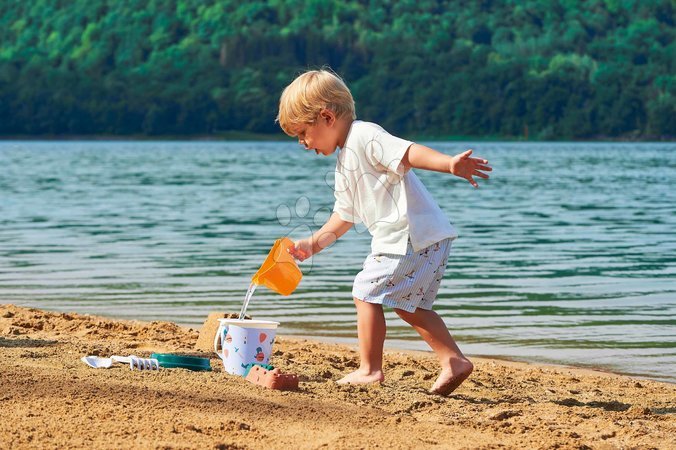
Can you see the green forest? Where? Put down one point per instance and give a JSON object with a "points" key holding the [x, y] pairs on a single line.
{"points": [[521, 69]]}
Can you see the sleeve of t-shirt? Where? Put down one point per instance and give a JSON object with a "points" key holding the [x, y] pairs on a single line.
{"points": [[387, 151]]}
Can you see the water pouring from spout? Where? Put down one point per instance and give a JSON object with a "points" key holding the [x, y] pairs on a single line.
{"points": [[279, 272]]}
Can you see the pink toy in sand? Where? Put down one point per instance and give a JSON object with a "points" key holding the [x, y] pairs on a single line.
{"points": [[272, 379]]}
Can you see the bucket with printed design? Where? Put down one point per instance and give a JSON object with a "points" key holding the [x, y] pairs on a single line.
{"points": [[241, 342]]}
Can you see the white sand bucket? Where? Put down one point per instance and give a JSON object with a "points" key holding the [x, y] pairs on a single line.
{"points": [[241, 342]]}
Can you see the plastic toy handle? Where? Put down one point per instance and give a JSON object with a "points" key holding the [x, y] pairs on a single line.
{"points": [[144, 364], [136, 363], [218, 340]]}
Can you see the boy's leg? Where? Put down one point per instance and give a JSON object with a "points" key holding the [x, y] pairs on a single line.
{"points": [[455, 367], [371, 332]]}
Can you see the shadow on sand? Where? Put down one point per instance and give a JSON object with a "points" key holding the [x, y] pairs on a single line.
{"points": [[25, 343]]}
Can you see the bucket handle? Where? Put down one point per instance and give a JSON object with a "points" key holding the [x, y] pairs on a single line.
{"points": [[219, 338]]}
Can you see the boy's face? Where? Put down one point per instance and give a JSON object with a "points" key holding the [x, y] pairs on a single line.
{"points": [[322, 136]]}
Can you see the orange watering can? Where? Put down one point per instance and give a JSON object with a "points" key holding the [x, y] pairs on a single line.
{"points": [[279, 271]]}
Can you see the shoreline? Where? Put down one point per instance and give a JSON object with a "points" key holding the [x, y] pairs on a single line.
{"points": [[50, 399], [352, 343], [522, 363]]}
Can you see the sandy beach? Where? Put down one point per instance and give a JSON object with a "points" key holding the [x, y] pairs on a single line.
{"points": [[50, 399]]}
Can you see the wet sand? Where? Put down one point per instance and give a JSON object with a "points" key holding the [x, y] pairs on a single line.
{"points": [[50, 399]]}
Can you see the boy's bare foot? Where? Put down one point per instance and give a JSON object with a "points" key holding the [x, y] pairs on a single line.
{"points": [[362, 377], [451, 377]]}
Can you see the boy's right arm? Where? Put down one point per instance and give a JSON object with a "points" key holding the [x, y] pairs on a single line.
{"points": [[334, 228]]}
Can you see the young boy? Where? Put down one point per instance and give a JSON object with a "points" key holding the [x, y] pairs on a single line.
{"points": [[411, 235]]}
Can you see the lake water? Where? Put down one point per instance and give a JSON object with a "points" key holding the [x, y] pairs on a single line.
{"points": [[566, 255]]}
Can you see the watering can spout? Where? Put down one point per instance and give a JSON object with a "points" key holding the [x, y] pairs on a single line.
{"points": [[279, 271]]}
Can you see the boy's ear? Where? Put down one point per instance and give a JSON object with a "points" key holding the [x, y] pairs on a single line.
{"points": [[328, 116]]}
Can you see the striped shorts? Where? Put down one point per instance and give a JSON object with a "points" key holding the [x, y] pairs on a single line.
{"points": [[403, 281]]}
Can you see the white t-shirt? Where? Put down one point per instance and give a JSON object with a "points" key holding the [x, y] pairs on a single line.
{"points": [[372, 187]]}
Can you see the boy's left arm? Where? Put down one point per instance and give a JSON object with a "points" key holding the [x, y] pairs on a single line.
{"points": [[461, 165]]}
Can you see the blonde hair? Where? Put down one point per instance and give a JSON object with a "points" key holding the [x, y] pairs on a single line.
{"points": [[303, 99]]}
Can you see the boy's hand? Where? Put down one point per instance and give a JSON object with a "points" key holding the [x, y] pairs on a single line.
{"points": [[302, 249], [465, 167]]}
